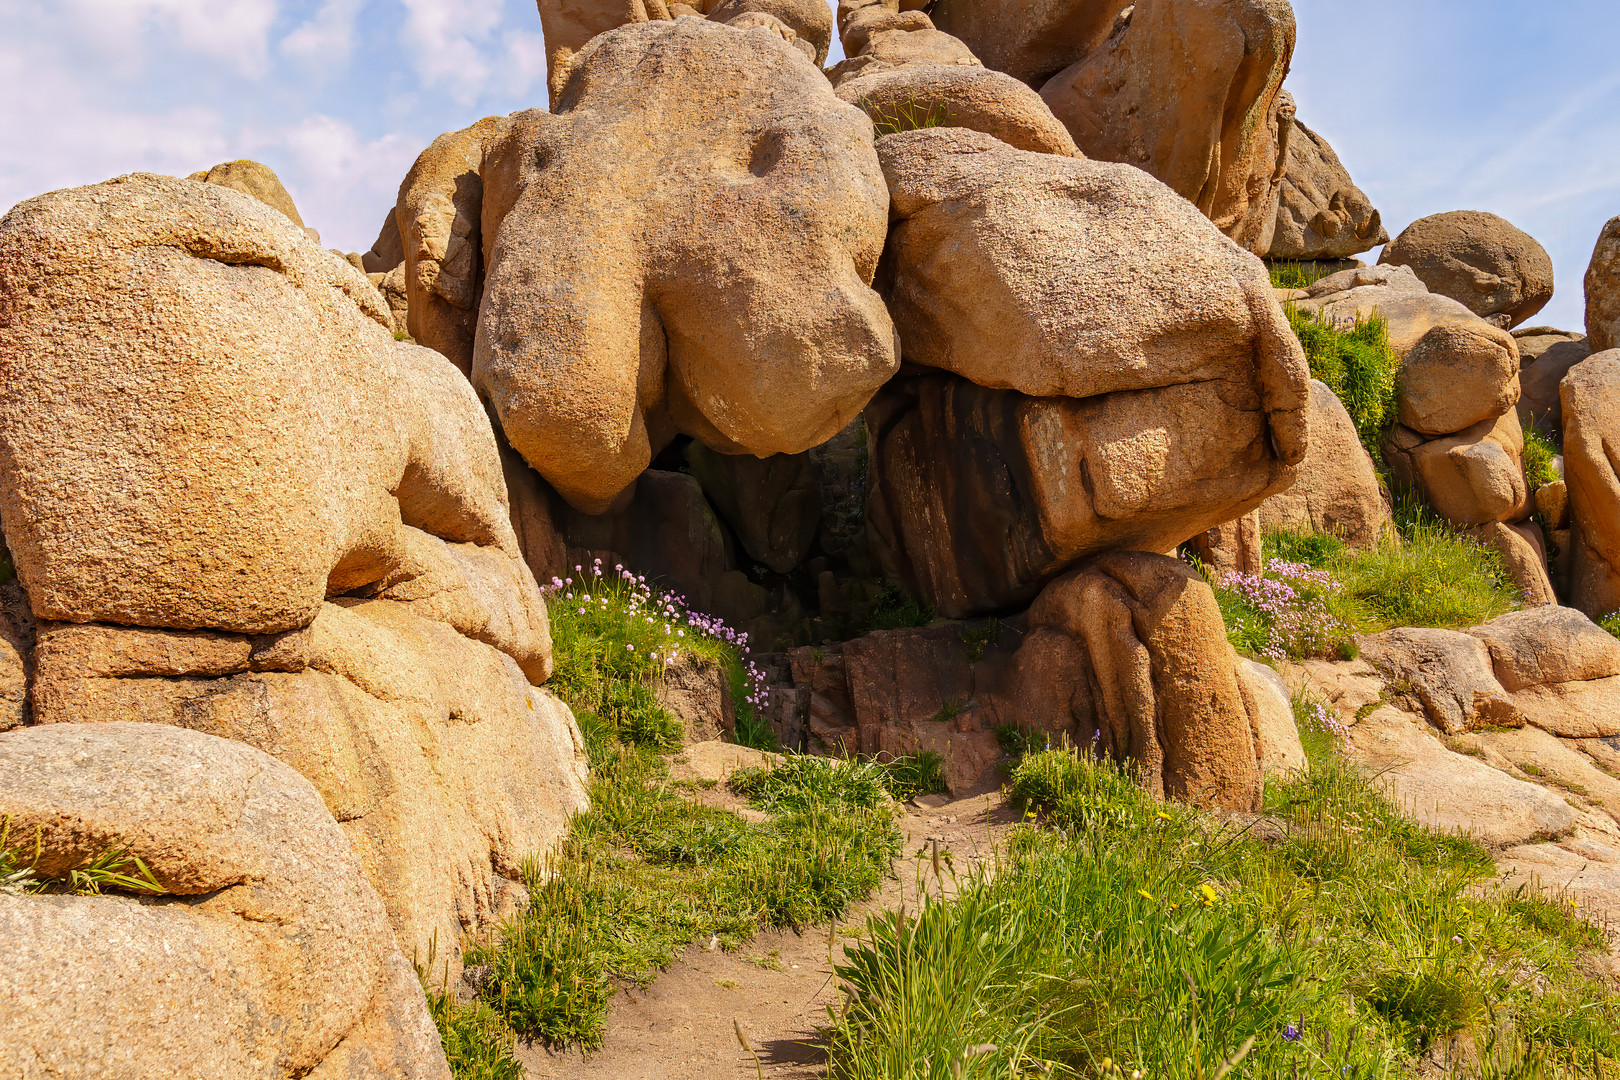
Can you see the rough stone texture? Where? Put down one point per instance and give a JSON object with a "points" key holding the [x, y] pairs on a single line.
{"points": [[1450, 792], [614, 313], [1470, 478], [1031, 40], [1235, 545], [1337, 490], [976, 496], [773, 504], [1272, 710], [1089, 282], [1552, 503], [698, 694], [1602, 285], [255, 180], [895, 45], [810, 20], [284, 446], [269, 956], [388, 250], [1321, 213], [1191, 91], [1524, 556], [1573, 710], [1591, 398], [1479, 260], [1549, 760], [946, 95], [445, 768], [569, 24], [1449, 672], [1545, 357], [1456, 376], [1405, 303], [1147, 664]]}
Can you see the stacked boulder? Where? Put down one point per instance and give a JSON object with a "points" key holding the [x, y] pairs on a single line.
{"points": [[1457, 438], [236, 504]]}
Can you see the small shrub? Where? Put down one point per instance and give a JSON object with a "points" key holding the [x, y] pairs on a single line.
{"points": [[978, 638], [922, 773], [1358, 365], [803, 781], [1611, 623], [1014, 740]]}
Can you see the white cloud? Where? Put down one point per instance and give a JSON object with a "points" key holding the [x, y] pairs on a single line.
{"points": [[232, 31], [326, 39], [446, 39], [342, 183]]}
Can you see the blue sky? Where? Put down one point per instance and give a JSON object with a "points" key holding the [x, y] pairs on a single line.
{"points": [[1511, 106]]}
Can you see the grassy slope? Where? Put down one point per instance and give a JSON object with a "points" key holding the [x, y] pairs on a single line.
{"points": [[1123, 936]]}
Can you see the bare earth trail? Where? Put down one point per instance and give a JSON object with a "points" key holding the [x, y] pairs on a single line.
{"points": [[777, 987]]}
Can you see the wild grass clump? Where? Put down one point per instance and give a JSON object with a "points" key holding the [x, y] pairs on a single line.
{"points": [[477, 1041], [896, 610], [645, 872], [1297, 275], [801, 781], [1539, 452], [1317, 592], [1127, 937], [908, 115], [613, 637], [114, 868], [1358, 365]]}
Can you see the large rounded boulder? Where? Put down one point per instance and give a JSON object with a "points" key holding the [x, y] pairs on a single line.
{"points": [[1479, 260]]}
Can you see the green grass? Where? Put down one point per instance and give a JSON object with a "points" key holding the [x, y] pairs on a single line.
{"points": [[908, 115], [896, 610], [1121, 934], [477, 1041], [1430, 576], [645, 872], [115, 868], [804, 781], [1539, 452], [613, 636], [1358, 365], [1295, 275]]}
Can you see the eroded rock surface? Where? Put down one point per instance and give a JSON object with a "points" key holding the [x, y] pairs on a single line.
{"points": [[1479, 260], [1321, 213], [1602, 285], [1337, 490], [265, 954], [671, 291]]}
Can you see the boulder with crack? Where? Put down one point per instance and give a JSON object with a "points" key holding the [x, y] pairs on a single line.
{"points": [[1109, 371], [237, 504]]}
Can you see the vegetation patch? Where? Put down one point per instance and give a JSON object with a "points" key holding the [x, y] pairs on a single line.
{"points": [[908, 115], [1539, 452], [646, 871], [1317, 592], [1124, 937], [1358, 365]]}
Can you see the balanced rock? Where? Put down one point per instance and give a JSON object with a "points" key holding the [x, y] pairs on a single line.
{"points": [[1191, 92], [1337, 490], [1114, 335], [255, 180], [1406, 304], [1456, 375], [1591, 399], [262, 953], [1031, 40], [1603, 290], [1321, 213], [634, 294], [1479, 260]]}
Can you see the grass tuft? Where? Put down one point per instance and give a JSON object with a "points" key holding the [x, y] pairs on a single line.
{"points": [[1130, 938], [1358, 365]]}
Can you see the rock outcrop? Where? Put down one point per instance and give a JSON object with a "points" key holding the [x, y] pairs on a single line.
{"points": [[1479, 260], [669, 293], [958, 95], [1321, 213], [1602, 284], [255, 180], [237, 504], [1337, 490], [1591, 400], [263, 952], [1031, 40], [1113, 335], [1545, 357], [1191, 91]]}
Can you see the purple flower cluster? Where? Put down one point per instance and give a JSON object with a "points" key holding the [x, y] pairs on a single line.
{"points": [[1289, 600], [600, 592], [1323, 718]]}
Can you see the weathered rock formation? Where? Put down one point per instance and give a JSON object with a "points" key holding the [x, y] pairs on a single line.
{"points": [[1191, 91], [1337, 490], [1545, 357], [670, 294], [1591, 399], [237, 504], [1602, 284], [1031, 40], [1479, 260], [263, 953], [1321, 213], [1122, 376], [256, 180]]}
